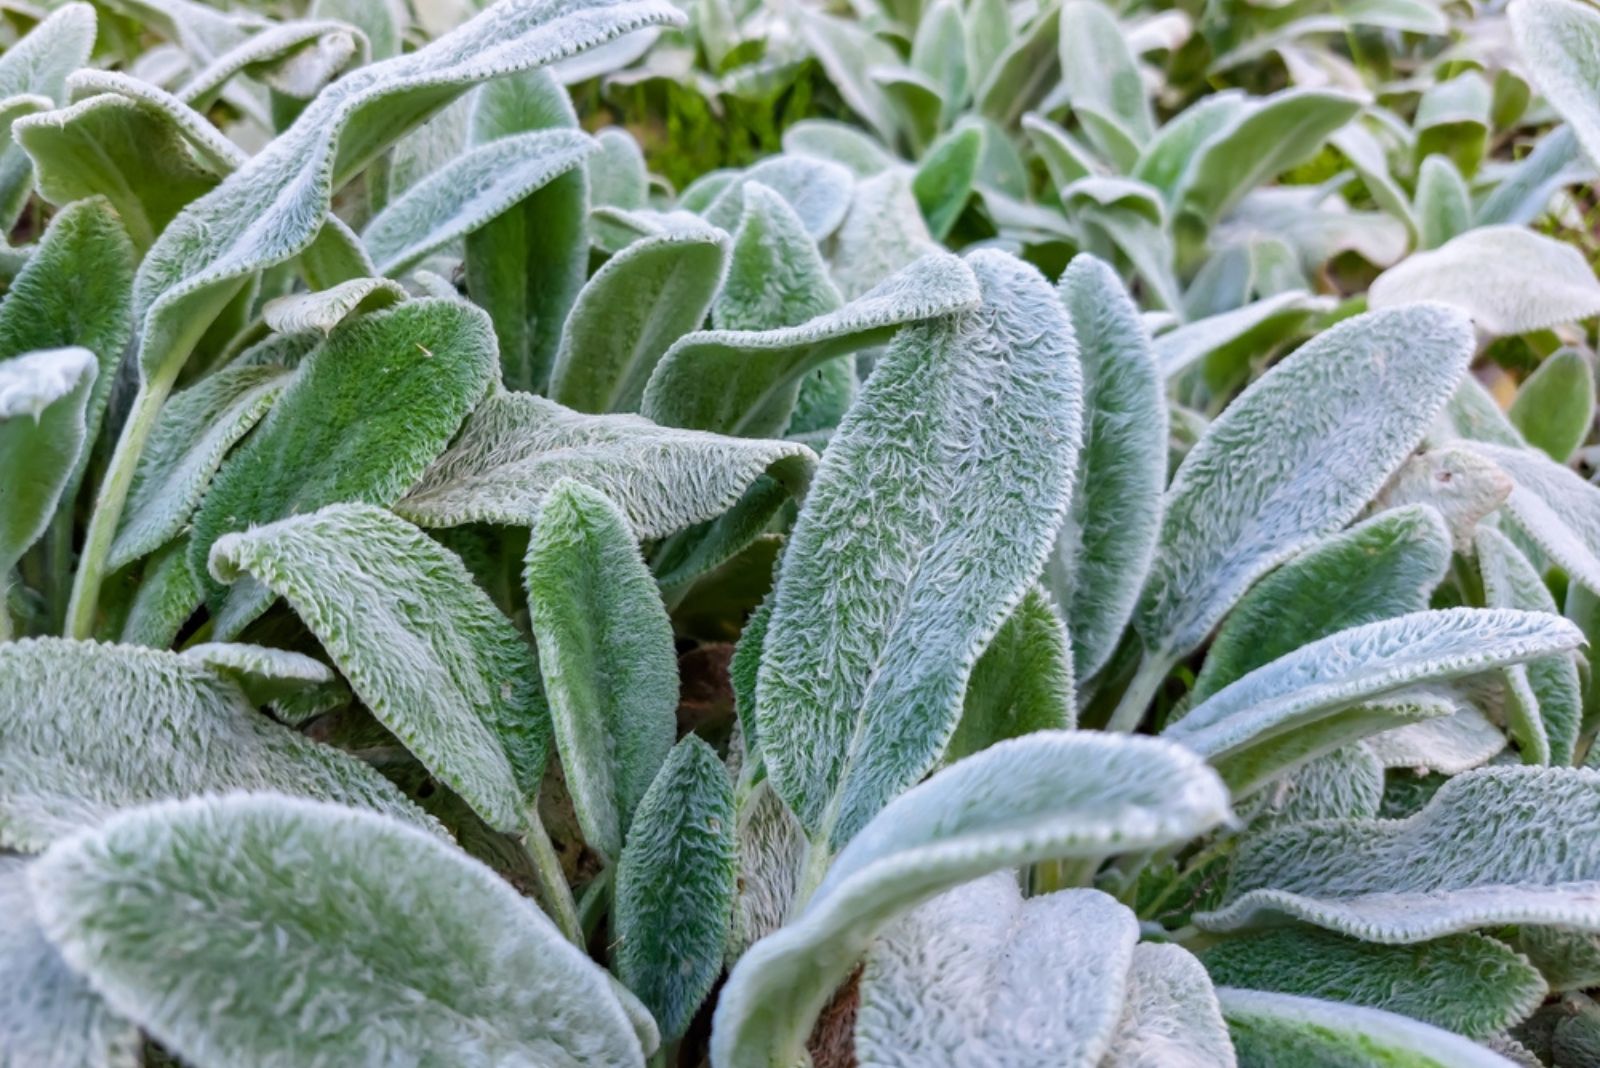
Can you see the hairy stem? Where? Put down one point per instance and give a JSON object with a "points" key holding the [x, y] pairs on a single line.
{"points": [[109, 503], [552, 880], [1130, 711]]}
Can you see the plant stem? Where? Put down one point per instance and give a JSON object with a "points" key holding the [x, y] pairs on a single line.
{"points": [[5, 609], [595, 901], [1130, 711], [552, 880], [109, 503]]}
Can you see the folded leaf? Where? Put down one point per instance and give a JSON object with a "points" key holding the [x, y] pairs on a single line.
{"points": [[1270, 1029], [1509, 279], [361, 420], [197, 428], [295, 58], [49, 1016], [38, 66], [327, 308], [746, 382], [1294, 459], [272, 208], [1105, 545], [1384, 567], [43, 396], [960, 449], [87, 729], [1356, 665], [1554, 408], [1051, 794], [212, 921], [675, 886], [1553, 508], [948, 983], [468, 193], [1463, 740], [1465, 983], [516, 446], [606, 656], [423, 647], [628, 315], [526, 267], [1170, 1018], [1503, 845]]}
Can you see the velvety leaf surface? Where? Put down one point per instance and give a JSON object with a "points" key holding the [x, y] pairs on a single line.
{"points": [[606, 656], [1554, 508], [196, 429], [1465, 983], [1105, 545], [747, 382], [675, 886], [1273, 1029], [361, 420], [1170, 1017], [1023, 681], [1293, 459], [1509, 279], [1495, 846], [1454, 479], [946, 984], [1260, 323], [818, 191], [516, 446], [1051, 794], [42, 400], [932, 509], [212, 921], [327, 308], [423, 647], [1384, 567], [49, 1016], [776, 275], [630, 312], [88, 729], [1554, 408], [38, 66], [1560, 40]]}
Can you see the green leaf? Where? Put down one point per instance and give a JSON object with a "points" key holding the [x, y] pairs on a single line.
{"points": [[960, 448], [364, 415], [1064, 157], [1384, 567], [1558, 40], [847, 52], [37, 66], [168, 594], [1457, 481], [627, 316], [1052, 794], [1511, 581], [1503, 845], [526, 267], [49, 1016], [272, 208], [1022, 682], [516, 446], [1463, 740], [675, 886], [1453, 118], [43, 396], [939, 51], [1554, 508], [747, 382], [1465, 983], [606, 655], [296, 59], [1554, 409], [1259, 141], [1318, 680], [196, 429], [1525, 191], [943, 184], [776, 276], [947, 983], [87, 729], [1019, 77], [325, 309], [1098, 69], [1170, 1015], [883, 233], [1273, 1029], [1509, 279], [837, 142], [1237, 334], [618, 173], [1103, 550], [423, 647], [817, 190], [1294, 459], [383, 941], [1444, 205], [468, 193]]}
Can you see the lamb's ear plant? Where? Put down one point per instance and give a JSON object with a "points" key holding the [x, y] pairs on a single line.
{"points": [[1095, 567]]}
